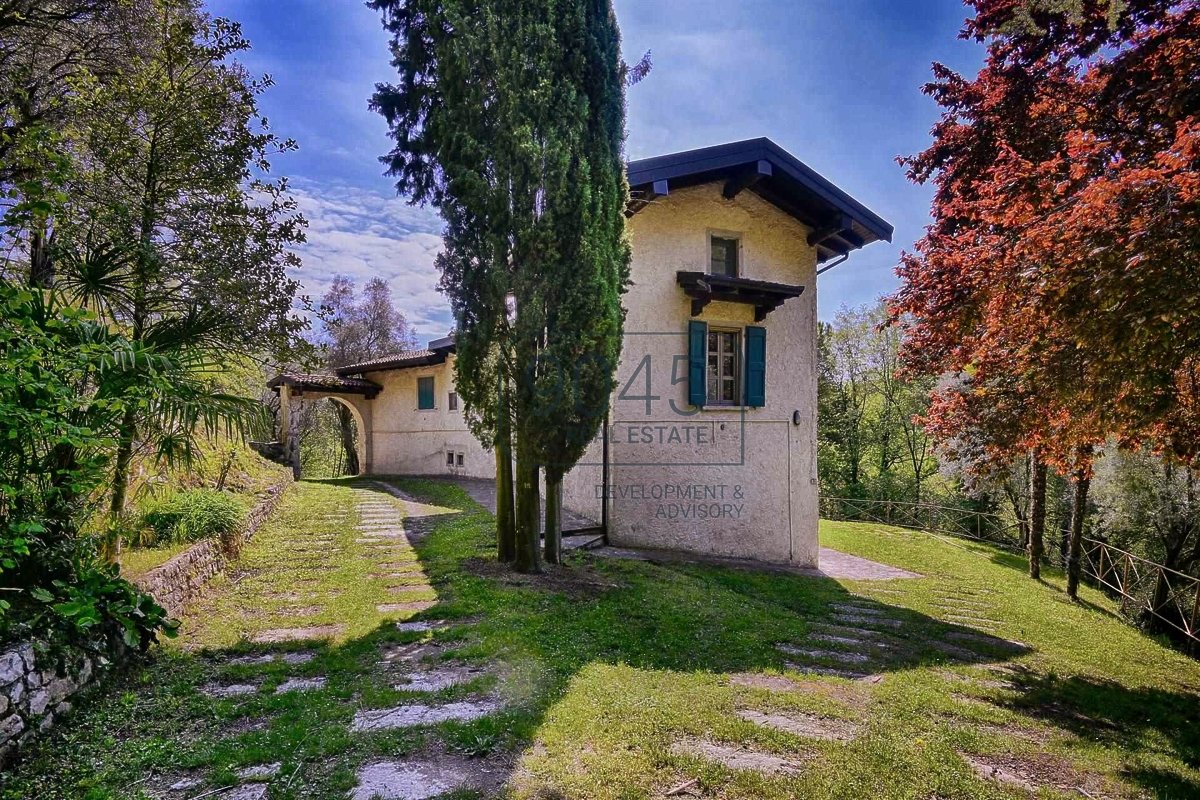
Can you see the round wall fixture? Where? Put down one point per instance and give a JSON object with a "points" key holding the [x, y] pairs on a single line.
{"points": [[796, 417]]}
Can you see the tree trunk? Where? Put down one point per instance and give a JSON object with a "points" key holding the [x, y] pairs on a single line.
{"points": [[1037, 516], [528, 510], [553, 527], [506, 524], [349, 438], [506, 531], [1075, 552], [121, 465], [41, 264]]}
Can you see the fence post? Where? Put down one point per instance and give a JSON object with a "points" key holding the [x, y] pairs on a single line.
{"points": [[1125, 583], [1192, 625]]}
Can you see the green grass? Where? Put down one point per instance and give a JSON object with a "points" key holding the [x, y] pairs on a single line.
{"points": [[138, 561], [604, 669]]}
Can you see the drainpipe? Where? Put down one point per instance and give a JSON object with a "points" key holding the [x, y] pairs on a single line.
{"points": [[828, 267], [604, 481]]}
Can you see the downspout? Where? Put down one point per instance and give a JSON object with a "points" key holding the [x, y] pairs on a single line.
{"points": [[604, 481], [828, 267]]}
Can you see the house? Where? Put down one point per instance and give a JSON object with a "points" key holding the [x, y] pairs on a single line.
{"points": [[710, 445]]}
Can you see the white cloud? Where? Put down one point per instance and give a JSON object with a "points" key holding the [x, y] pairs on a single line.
{"points": [[365, 234]]}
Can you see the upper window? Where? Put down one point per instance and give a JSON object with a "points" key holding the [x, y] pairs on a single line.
{"points": [[425, 393], [452, 402], [724, 372], [723, 255]]}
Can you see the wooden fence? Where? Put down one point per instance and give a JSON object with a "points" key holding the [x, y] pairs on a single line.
{"points": [[1155, 596]]}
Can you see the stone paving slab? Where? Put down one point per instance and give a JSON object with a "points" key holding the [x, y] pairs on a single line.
{"points": [[738, 758], [442, 677], [807, 725], [249, 791], [829, 672], [422, 626], [414, 606], [845, 657], [229, 689], [259, 772], [276, 635], [858, 619], [856, 608], [300, 685], [412, 715]]}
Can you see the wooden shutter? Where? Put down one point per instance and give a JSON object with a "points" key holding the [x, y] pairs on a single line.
{"points": [[756, 366], [697, 359], [425, 393]]}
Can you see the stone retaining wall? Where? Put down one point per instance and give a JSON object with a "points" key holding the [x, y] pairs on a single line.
{"points": [[36, 685], [181, 580]]}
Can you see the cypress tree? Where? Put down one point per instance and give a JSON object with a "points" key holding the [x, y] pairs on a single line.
{"points": [[509, 118]]}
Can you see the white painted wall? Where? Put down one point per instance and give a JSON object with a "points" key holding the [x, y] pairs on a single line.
{"points": [[755, 469], [408, 441]]}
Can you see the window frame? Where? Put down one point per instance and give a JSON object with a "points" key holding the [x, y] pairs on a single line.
{"points": [[432, 393], [459, 458], [731, 236], [738, 380], [449, 458], [452, 401]]}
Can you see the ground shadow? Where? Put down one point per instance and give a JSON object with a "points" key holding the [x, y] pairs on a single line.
{"points": [[644, 615]]}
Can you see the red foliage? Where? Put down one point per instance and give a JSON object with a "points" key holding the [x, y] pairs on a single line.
{"points": [[1061, 274]]}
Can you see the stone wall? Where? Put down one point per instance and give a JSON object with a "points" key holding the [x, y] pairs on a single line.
{"points": [[37, 684], [36, 687], [181, 580]]}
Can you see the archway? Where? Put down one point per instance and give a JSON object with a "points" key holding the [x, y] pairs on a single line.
{"points": [[352, 395], [355, 436]]}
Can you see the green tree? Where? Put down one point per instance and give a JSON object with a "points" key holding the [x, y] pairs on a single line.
{"points": [[169, 227], [508, 117], [61, 402]]}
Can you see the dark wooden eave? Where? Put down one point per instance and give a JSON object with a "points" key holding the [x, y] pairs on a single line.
{"points": [[839, 223], [763, 295], [306, 382]]}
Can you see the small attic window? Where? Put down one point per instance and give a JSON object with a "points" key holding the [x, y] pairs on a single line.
{"points": [[723, 255]]}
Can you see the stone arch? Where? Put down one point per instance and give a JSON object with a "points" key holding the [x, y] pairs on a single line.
{"points": [[291, 398], [364, 464]]}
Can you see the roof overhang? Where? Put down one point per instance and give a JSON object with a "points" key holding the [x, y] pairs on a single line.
{"points": [[333, 384], [424, 358], [839, 223], [765, 296]]}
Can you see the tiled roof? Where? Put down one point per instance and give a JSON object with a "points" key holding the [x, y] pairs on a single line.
{"points": [[325, 383], [405, 358]]}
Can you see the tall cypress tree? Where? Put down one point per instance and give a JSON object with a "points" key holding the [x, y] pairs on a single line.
{"points": [[508, 117], [584, 316]]}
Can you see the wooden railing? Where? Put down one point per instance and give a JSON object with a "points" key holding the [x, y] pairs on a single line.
{"points": [[1158, 597]]}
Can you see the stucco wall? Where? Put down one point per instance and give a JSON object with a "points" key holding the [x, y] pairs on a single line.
{"points": [[745, 483], [409, 441]]}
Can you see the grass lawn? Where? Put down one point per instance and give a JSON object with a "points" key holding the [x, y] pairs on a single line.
{"points": [[137, 561], [628, 679]]}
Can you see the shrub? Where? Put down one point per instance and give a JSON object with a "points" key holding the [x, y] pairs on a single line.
{"points": [[194, 515]]}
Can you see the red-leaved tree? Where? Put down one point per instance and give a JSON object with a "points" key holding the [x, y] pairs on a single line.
{"points": [[1060, 276]]}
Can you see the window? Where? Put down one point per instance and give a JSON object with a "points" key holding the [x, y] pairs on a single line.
{"points": [[724, 374], [723, 255], [460, 459], [425, 393], [719, 372], [452, 401], [449, 458]]}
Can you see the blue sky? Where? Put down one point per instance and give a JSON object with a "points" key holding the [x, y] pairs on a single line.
{"points": [[835, 82]]}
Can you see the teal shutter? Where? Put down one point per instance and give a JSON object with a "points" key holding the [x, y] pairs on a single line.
{"points": [[697, 352], [424, 393], [756, 366]]}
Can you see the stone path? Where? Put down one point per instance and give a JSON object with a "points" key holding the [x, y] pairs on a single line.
{"points": [[386, 523]]}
